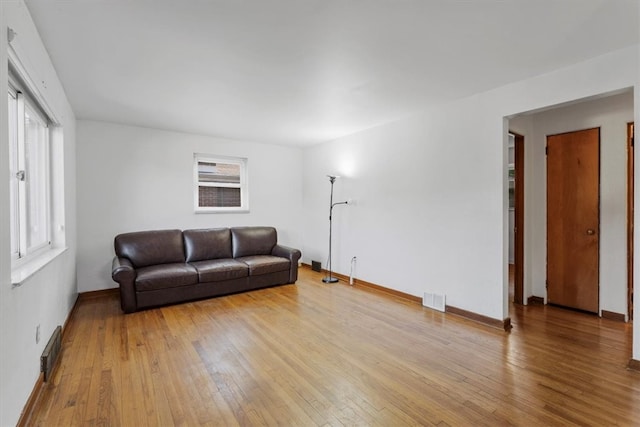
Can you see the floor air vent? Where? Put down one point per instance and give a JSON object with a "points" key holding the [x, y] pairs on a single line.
{"points": [[50, 354], [434, 301]]}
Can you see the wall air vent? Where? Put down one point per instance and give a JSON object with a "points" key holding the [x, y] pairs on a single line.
{"points": [[50, 354], [434, 301]]}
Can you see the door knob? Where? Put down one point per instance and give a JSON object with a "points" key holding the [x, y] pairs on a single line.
{"points": [[591, 231]]}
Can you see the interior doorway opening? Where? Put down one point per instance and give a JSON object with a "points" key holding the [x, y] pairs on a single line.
{"points": [[515, 169], [612, 112]]}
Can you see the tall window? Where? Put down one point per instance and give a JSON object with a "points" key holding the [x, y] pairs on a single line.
{"points": [[29, 174], [220, 184]]}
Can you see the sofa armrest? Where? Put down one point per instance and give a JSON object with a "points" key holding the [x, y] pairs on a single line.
{"points": [[293, 255], [122, 271]]}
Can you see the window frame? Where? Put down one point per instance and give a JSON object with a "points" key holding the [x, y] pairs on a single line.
{"points": [[21, 252], [242, 162]]}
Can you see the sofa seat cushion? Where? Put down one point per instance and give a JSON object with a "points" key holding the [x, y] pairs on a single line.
{"points": [[215, 270], [265, 264], [166, 276]]}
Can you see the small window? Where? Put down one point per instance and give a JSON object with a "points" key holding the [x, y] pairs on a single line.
{"points": [[220, 184]]}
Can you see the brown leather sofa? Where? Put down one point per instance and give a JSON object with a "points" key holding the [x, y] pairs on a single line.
{"points": [[161, 267]]}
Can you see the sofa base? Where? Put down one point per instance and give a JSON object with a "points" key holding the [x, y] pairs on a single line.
{"points": [[270, 279], [155, 298]]}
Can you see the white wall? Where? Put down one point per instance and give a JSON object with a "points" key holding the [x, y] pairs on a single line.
{"points": [[48, 296], [424, 217], [611, 114], [133, 178], [431, 190]]}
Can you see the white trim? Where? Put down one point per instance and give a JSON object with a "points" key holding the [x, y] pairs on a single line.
{"points": [[219, 184], [20, 274], [31, 86], [13, 168]]}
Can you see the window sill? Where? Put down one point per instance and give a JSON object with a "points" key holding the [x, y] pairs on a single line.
{"points": [[220, 211], [20, 274]]}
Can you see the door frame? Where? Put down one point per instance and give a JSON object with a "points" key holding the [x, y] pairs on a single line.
{"points": [[518, 276], [630, 213]]}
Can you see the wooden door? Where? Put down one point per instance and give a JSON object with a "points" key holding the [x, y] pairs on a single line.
{"points": [[573, 216]]}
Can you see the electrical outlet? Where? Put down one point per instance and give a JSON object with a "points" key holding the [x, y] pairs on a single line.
{"points": [[38, 334]]}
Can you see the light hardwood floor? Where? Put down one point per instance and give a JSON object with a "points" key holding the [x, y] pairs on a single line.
{"points": [[314, 354]]}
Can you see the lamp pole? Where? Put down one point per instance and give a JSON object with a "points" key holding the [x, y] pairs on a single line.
{"points": [[330, 278]]}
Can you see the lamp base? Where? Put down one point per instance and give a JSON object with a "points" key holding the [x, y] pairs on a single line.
{"points": [[330, 279]]}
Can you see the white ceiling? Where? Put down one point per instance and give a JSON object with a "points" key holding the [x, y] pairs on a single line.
{"points": [[304, 71]]}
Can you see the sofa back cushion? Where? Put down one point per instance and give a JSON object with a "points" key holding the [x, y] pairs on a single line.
{"points": [[213, 243], [144, 248], [249, 241]]}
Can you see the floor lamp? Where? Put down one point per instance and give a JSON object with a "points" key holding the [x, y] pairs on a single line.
{"points": [[332, 179]]}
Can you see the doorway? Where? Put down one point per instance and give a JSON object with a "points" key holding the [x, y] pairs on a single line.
{"points": [[612, 114], [516, 217], [573, 219]]}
